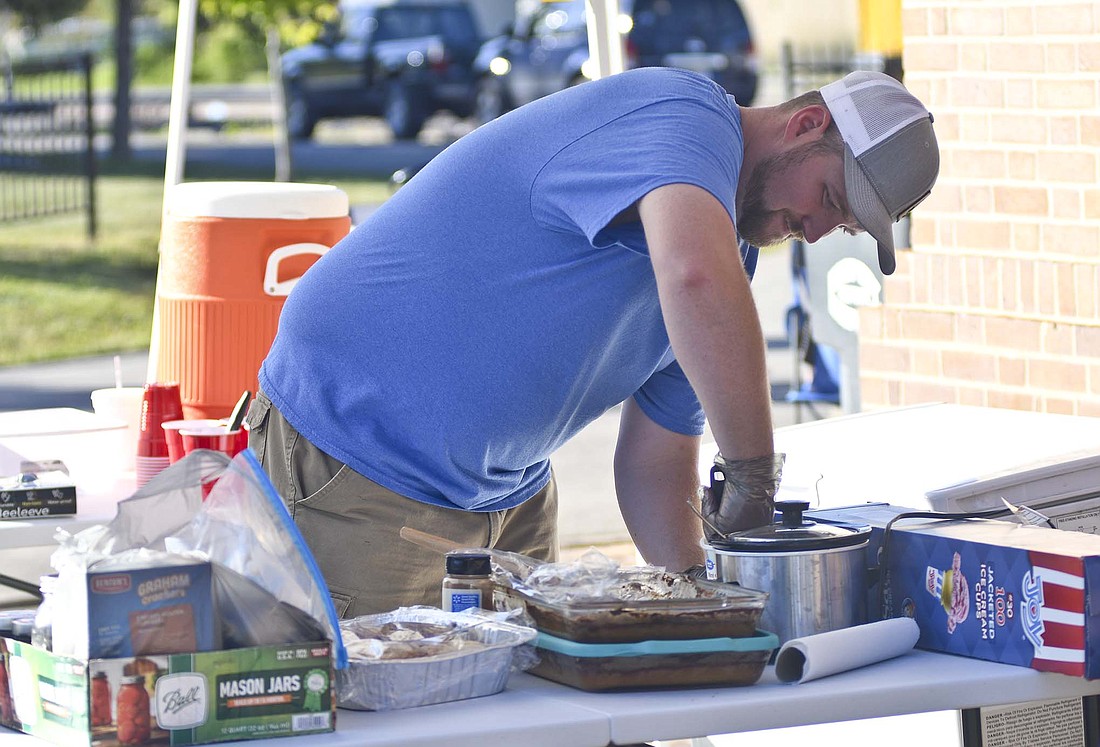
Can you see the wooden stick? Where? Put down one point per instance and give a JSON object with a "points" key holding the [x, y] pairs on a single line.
{"points": [[429, 541]]}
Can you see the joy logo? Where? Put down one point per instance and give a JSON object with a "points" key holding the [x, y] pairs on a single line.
{"points": [[1031, 609], [181, 700]]}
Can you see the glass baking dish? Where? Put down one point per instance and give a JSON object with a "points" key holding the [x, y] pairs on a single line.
{"points": [[654, 664], [718, 610]]}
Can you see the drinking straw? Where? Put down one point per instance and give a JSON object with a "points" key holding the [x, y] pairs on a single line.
{"points": [[118, 371]]}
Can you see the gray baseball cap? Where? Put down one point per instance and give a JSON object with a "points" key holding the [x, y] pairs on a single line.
{"points": [[891, 158]]}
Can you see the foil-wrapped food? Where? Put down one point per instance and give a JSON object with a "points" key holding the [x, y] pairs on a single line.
{"points": [[405, 639], [417, 656]]}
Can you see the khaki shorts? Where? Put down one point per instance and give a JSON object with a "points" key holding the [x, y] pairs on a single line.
{"points": [[351, 523]]}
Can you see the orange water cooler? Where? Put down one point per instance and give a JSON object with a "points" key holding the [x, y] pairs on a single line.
{"points": [[230, 254]]}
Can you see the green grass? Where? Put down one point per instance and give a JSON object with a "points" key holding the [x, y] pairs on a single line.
{"points": [[63, 295]]}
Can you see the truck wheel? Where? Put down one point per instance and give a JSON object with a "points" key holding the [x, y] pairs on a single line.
{"points": [[406, 110], [492, 99], [300, 119]]}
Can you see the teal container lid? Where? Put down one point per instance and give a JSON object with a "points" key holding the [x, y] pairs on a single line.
{"points": [[760, 641]]}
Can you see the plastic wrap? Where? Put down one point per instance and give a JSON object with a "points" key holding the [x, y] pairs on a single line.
{"points": [[262, 565], [593, 600], [418, 656]]}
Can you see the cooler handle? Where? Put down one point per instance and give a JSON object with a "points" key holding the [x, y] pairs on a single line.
{"points": [[272, 285]]}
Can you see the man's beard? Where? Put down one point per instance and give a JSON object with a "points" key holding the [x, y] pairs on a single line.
{"points": [[753, 215]]}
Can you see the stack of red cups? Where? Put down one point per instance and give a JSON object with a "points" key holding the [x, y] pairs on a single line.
{"points": [[160, 402]]}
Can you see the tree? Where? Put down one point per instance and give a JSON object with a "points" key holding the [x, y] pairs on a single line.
{"points": [[293, 21]]}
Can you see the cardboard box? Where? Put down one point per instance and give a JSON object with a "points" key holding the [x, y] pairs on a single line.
{"points": [[172, 699], [151, 611], [1062, 488], [996, 590], [37, 496]]}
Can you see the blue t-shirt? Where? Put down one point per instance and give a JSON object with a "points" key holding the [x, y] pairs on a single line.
{"points": [[489, 311]]}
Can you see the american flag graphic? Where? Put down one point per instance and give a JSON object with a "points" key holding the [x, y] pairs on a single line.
{"points": [[1053, 613]]}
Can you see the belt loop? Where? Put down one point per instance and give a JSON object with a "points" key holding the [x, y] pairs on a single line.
{"points": [[496, 526]]}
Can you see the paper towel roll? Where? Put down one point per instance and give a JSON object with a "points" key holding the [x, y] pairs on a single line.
{"points": [[814, 656]]}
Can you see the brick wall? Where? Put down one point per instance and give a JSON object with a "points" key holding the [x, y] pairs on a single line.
{"points": [[997, 302]]}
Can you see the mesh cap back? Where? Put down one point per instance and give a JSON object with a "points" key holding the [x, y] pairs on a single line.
{"points": [[891, 157]]}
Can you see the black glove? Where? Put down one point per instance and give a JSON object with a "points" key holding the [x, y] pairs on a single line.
{"points": [[741, 494]]}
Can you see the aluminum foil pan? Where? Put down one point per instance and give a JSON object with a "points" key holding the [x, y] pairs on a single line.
{"points": [[418, 656]]}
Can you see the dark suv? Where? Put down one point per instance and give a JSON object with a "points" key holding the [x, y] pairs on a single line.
{"points": [[401, 61], [547, 51]]}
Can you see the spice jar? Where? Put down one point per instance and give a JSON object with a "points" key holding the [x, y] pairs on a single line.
{"points": [[467, 583], [21, 628], [133, 711], [101, 700]]}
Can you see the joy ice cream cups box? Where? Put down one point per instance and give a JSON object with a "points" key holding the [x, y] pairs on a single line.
{"points": [[990, 589], [171, 699]]}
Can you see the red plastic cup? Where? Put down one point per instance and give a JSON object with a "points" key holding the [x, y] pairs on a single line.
{"points": [[160, 402], [172, 435], [215, 438]]}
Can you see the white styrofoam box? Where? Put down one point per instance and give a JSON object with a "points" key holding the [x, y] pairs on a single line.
{"points": [[90, 445]]}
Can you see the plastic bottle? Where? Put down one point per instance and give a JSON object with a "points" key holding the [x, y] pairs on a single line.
{"points": [[467, 583], [42, 635]]}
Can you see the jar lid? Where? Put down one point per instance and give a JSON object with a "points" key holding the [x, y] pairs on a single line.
{"points": [[468, 563], [22, 626], [794, 533]]}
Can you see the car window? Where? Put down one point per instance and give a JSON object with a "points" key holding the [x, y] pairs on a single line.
{"points": [[356, 23], [663, 25], [403, 23], [559, 18], [457, 25]]}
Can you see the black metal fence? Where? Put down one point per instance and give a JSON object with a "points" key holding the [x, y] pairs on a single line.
{"points": [[47, 154]]}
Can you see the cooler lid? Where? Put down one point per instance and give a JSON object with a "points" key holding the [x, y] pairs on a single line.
{"points": [[277, 200]]}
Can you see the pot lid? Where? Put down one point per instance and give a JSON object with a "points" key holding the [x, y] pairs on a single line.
{"points": [[792, 532]]}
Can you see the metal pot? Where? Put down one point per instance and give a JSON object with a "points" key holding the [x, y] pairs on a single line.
{"points": [[815, 573]]}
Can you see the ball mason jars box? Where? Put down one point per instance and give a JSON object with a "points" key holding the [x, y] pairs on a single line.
{"points": [[989, 589], [167, 699]]}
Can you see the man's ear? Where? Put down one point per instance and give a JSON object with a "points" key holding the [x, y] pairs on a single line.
{"points": [[810, 120]]}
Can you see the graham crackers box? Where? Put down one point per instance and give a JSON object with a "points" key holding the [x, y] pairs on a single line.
{"points": [[989, 589], [151, 611]]}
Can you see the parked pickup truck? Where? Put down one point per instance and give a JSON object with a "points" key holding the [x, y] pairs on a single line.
{"points": [[403, 62]]}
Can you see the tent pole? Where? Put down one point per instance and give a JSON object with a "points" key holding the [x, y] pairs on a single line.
{"points": [[176, 153]]}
